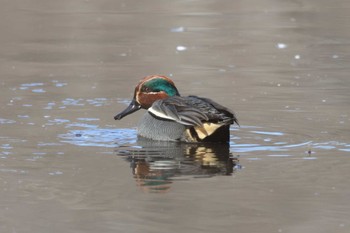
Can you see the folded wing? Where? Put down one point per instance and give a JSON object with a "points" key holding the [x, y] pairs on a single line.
{"points": [[192, 111]]}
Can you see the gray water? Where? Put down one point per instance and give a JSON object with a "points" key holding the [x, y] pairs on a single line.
{"points": [[67, 67]]}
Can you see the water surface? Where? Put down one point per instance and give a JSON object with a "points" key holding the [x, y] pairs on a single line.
{"points": [[68, 67]]}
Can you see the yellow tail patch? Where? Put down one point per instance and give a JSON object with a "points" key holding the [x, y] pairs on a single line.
{"points": [[206, 130]]}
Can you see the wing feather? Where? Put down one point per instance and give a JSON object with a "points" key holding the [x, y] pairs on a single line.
{"points": [[192, 111]]}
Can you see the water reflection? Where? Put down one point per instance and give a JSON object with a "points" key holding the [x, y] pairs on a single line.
{"points": [[155, 165]]}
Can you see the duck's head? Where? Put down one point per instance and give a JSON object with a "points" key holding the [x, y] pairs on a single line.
{"points": [[148, 90]]}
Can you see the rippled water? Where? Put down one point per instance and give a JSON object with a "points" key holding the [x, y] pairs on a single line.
{"points": [[68, 67], [92, 135]]}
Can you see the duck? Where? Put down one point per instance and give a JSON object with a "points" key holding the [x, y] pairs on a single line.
{"points": [[172, 117]]}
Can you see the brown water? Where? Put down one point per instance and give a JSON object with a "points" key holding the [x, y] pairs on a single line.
{"points": [[67, 67]]}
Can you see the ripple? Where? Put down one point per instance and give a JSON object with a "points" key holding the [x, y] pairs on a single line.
{"points": [[22, 116], [59, 84], [58, 121], [279, 155], [96, 102], [39, 90], [88, 119], [93, 136], [177, 29], [12, 171], [73, 102], [6, 121], [32, 84], [268, 133]]}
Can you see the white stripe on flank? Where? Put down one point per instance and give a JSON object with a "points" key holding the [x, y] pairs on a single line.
{"points": [[164, 116], [160, 114]]}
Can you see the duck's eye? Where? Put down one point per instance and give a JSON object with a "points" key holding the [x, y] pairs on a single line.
{"points": [[145, 89]]}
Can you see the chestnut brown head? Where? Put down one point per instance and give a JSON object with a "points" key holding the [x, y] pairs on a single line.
{"points": [[148, 90]]}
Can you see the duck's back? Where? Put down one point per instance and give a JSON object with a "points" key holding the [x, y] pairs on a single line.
{"points": [[215, 112], [191, 119]]}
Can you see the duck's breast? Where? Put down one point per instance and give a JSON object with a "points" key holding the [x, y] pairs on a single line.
{"points": [[160, 129]]}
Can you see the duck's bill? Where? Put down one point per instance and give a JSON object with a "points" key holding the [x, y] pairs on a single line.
{"points": [[133, 107]]}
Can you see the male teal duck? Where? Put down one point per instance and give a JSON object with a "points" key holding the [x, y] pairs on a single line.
{"points": [[171, 117]]}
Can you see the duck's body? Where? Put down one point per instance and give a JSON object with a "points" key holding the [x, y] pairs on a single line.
{"points": [[171, 117]]}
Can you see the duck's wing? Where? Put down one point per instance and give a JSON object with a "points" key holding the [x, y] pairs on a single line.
{"points": [[202, 116], [178, 109], [215, 112], [219, 117], [192, 111]]}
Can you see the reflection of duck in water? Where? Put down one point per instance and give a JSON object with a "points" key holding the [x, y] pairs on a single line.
{"points": [[171, 117], [158, 164]]}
